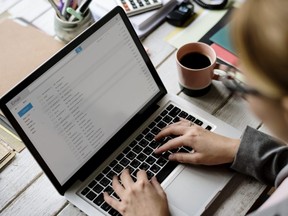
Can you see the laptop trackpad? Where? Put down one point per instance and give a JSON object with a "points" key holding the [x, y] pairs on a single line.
{"points": [[192, 190]]}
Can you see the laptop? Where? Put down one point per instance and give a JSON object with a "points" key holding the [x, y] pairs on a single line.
{"points": [[94, 108]]}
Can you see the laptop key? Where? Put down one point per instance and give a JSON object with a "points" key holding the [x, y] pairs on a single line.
{"points": [[174, 112], [99, 200], [143, 143], [166, 170], [131, 169], [91, 195], [151, 125], [154, 144], [149, 174], [113, 212], [164, 113], [98, 189], [105, 206], [99, 177], [190, 118], [144, 166], [183, 114], [148, 150], [208, 127], [85, 191], [111, 174], [145, 131], [109, 190], [104, 181], [118, 168], [124, 162], [131, 155], [141, 157], [139, 137], [150, 160], [167, 119], [198, 122], [137, 149], [92, 184], [133, 143], [161, 161], [113, 163], [158, 118], [161, 124], [120, 156], [126, 150], [149, 136], [155, 168], [135, 163], [169, 107], [155, 130]]}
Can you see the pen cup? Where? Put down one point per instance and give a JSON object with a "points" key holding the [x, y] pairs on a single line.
{"points": [[68, 30]]}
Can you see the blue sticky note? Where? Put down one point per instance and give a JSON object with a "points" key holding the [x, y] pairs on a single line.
{"points": [[222, 38]]}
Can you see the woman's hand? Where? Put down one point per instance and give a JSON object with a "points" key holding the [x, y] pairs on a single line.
{"points": [[140, 198], [208, 148]]}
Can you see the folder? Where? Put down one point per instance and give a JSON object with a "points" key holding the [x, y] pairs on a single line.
{"points": [[22, 50]]}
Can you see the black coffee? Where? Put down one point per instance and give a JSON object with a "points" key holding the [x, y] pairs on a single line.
{"points": [[195, 60]]}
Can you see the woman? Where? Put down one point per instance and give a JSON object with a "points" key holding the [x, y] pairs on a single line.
{"points": [[260, 33]]}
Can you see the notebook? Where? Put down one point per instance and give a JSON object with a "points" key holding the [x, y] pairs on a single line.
{"points": [[94, 108]]}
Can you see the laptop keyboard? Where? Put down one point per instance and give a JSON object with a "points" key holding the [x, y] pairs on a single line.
{"points": [[139, 154]]}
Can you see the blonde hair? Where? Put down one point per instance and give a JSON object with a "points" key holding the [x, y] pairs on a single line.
{"points": [[260, 34]]}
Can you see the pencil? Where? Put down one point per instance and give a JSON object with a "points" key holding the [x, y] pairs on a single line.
{"points": [[56, 9]]}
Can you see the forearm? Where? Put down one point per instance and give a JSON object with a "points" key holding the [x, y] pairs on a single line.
{"points": [[260, 156]]}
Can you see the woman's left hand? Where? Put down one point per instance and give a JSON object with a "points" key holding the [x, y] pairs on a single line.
{"points": [[140, 198]]}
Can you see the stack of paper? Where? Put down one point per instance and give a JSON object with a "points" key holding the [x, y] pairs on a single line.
{"points": [[6, 154], [143, 23]]}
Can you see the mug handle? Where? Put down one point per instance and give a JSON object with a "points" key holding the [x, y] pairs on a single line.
{"points": [[221, 69]]}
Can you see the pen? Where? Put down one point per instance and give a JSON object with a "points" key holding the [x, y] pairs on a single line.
{"points": [[83, 7], [67, 4], [74, 4], [60, 6], [74, 14], [56, 9]]}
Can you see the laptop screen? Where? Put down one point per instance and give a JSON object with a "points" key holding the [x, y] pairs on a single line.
{"points": [[79, 103]]}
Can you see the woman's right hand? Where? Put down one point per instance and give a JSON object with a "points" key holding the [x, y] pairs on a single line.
{"points": [[208, 148]]}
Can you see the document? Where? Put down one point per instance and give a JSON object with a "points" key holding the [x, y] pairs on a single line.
{"points": [[143, 23], [6, 154]]}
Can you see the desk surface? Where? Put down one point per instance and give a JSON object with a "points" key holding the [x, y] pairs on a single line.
{"points": [[24, 188]]}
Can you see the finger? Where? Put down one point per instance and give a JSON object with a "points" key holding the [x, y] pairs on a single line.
{"points": [[191, 158], [118, 188], [175, 130], [157, 185], [171, 144], [111, 201], [126, 179], [142, 175]]}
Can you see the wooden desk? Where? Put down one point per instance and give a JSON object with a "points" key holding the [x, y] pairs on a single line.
{"points": [[25, 190]]}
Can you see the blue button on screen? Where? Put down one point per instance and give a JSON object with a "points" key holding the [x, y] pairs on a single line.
{"points": [[25, 109]]}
